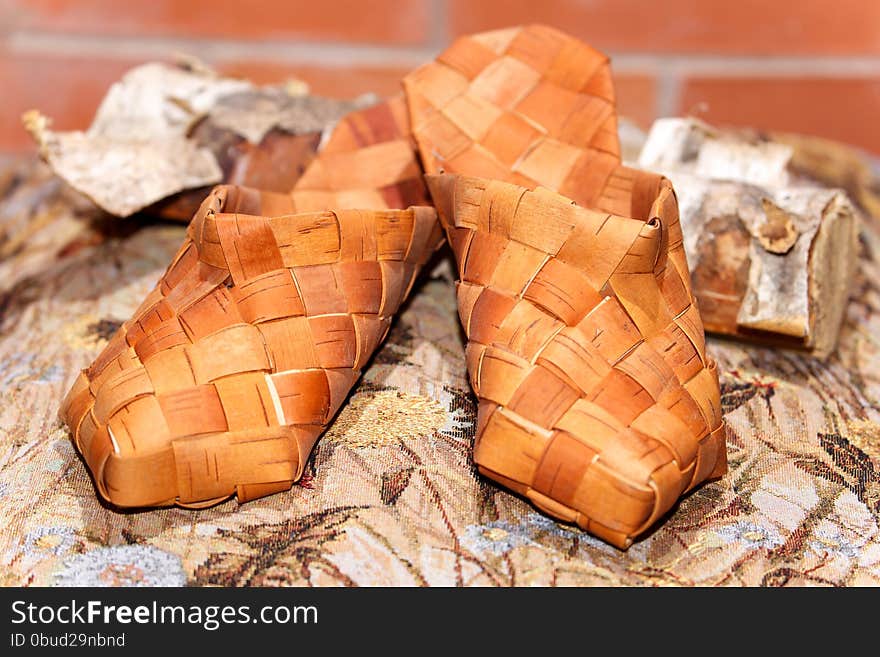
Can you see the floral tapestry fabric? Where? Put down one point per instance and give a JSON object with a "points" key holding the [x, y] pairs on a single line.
{"points": [[391, 496]]}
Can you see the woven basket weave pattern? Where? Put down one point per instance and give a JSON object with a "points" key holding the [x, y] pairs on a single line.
{"points": [[597, 400], [233, 365], [585, 346], [530, 106]]}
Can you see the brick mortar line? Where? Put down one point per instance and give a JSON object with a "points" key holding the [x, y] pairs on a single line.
{"points": [[335, 54], [748, 65], [439, 29], [668, 94], [324, 53]]}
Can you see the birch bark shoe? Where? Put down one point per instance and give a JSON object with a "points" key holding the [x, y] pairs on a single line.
{"points": [[227, 374], [585, 346]]}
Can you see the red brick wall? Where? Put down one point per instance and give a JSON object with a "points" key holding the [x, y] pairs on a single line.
{"points": [[805, 65]]}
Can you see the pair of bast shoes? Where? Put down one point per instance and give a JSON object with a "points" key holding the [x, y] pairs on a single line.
{"points": [[584, 345]]}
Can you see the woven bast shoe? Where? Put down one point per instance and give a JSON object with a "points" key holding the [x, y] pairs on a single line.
{"points": [[233, 365], [585, 346], [597, 401]]}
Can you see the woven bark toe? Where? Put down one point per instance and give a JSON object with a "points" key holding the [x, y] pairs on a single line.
{"points": [[233, 365], [585, 345], [531, 106]]}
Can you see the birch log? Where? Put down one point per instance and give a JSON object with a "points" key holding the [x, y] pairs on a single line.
{"points": [[771, 260]]}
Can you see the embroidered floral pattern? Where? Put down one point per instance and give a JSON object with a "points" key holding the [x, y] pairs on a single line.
{"points": [[122, 565], [392, 496]]}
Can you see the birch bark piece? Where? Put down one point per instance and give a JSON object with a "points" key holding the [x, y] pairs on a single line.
{"points": [[834, 164], [771, 259], [165, 129]]}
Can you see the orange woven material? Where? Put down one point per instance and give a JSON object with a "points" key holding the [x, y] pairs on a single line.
{"points": [[585, 345], [234, 364]]}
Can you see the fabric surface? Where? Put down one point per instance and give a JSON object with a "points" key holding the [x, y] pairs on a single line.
{"points": [[391, 496]]}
